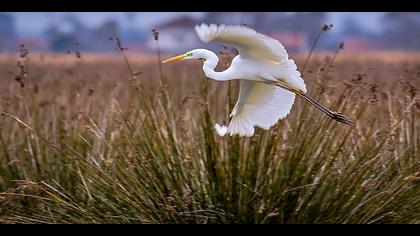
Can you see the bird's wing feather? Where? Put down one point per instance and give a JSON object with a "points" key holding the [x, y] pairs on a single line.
{"points": [[259, 105], [249, 43]]}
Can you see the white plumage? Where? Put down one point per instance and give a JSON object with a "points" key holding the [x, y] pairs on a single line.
{"points": [[261, 65]]}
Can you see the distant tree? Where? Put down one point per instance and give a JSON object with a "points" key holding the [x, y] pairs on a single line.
{"points": [[7, 32], [257, 20], [99, 36], [133, 35], [72, 21], [59, 41], [352, 28], [108, 28], [402, 30], [309, 23], [64, 32], [277, 21]]}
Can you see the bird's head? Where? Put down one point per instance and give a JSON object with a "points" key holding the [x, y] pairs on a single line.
{"points": [[194, 54]]}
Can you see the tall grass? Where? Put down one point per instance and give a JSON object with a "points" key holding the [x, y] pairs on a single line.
{"points": [[93, 144]]}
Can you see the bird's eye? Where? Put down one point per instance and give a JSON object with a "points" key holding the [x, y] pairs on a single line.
{"points": [[189, 54]]}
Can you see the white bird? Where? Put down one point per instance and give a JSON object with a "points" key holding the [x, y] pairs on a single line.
{"points": [[269, 79]]}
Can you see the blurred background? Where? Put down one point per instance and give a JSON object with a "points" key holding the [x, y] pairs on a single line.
{"points": [[59, 31]]}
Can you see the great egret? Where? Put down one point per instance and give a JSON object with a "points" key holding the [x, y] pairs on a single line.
{"points": [[269, 79]]}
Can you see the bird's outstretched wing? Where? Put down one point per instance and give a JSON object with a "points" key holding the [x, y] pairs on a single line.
{"points": [[259, 105], [249, 43]]}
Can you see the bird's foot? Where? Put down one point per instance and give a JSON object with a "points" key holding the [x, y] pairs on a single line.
{"points": [[341, 118], [220, 129]]}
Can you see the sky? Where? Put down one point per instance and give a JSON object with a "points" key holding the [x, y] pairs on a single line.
{"points": [[34, 23]]}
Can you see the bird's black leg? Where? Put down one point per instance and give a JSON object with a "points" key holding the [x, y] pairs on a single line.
{"points": [[334, 115]]}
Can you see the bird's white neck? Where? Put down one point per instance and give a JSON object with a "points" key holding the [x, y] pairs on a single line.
{"points": [[210, 64]]}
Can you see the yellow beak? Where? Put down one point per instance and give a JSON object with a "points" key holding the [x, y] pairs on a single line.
{"points": [[177, 58]]}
